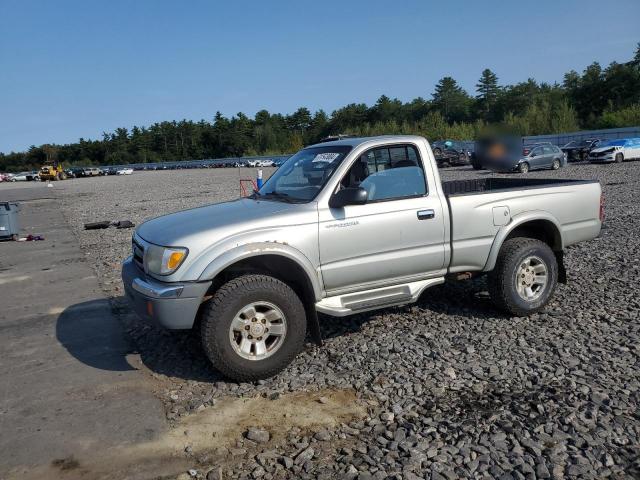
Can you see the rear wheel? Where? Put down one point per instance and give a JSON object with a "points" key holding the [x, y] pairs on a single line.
{"points": [[556, 164], [619, 158], [523, 167], [525, 276], [253, 327]]}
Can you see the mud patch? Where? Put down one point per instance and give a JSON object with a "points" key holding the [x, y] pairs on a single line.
{"points": [[222, 425]]}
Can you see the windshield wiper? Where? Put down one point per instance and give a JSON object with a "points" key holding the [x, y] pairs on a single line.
{"points": [[279, 195]]}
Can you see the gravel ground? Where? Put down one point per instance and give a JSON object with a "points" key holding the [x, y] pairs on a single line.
{"points": [[454, 388]]}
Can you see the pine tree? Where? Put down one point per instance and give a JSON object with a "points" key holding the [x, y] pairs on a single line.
{"points": [[451, 100], [487, 90]]}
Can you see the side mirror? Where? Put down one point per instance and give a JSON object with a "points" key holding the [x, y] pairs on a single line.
{"points": [[348, 196]]}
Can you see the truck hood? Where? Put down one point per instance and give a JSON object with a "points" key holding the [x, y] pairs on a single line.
{"points": [[218, 220]]}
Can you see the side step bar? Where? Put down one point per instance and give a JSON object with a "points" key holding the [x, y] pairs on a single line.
{"points": [[350, 303]]}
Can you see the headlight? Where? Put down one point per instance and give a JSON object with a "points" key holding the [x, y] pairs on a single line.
{"points": [[163, 260]]}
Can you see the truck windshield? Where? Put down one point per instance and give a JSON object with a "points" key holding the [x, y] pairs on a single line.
{"points": [[303, 175]]}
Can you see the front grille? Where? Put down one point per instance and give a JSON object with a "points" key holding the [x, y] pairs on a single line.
{"points": [[138, 253]]}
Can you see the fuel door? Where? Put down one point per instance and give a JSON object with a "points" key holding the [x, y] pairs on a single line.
{"points": [[501, 216]]}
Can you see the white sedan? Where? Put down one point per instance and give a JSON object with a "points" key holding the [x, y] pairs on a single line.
{"points": [[22, 177], [616, 151], [125, 171]]}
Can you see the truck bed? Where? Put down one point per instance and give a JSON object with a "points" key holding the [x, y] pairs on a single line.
{"points": [[483, 185], [480, 208]]}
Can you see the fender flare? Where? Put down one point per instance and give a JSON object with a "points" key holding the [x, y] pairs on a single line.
{"points": [[517, 221], [257, 249]]}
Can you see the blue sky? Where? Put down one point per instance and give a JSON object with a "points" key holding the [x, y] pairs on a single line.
{"points": [[71, 69]]}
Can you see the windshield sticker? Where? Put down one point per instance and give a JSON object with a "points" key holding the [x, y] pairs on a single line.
{"points": [[325, 157]]}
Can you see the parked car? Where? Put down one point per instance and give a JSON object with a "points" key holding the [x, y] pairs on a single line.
{"points": [[578, 150], [538, 156], [23, 177], [344, 227], [4, 177], [92, 172], [616, 151], [125, 171], [450, 153]]}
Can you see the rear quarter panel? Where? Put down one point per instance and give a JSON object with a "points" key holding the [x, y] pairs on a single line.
{"points": [[573, 208]]}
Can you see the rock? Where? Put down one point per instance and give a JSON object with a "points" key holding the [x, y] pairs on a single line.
{"points": [[258, 472], [387, 416], [450, 372], [215, 474], [258, 435], [541, 470], [306, 454], [287, 462], [322, 436]]}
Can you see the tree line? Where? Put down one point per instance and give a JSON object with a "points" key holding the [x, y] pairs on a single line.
{"points": [[596, 98]]}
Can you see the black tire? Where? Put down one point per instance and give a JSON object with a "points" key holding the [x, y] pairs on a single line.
{"points": [[556, 164], [523, 167], [619, 158], [502, 279], [218, 313]]}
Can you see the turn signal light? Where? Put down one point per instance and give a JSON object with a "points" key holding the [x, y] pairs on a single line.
{"points": [[174, 260]]}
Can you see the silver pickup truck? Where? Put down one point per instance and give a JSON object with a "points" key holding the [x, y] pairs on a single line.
{"points": [[344, 227]]}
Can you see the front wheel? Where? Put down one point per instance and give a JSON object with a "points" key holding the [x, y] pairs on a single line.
{"points": [[523, 167], [619, 158], [525, 276], [253, 327], [556, 164]]}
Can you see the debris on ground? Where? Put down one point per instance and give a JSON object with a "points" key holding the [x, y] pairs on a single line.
{"points": [[106, 224]]}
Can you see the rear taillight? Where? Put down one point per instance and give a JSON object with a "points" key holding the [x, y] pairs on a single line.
{"points": [[602, 207]]}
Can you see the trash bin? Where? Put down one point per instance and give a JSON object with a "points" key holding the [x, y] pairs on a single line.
{"points": [[9, 226]]}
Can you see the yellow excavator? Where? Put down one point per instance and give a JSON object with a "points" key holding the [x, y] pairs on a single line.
{"points": [[52, 171]]}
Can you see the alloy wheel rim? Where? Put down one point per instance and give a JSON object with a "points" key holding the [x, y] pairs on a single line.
{"points": [[532, 276], [258, 330]]}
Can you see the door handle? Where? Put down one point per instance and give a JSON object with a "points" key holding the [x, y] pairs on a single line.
{"points": [[426, 214]]}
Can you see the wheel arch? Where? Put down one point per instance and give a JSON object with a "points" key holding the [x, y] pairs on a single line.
{"points": [[539, 225], [286, 264]]}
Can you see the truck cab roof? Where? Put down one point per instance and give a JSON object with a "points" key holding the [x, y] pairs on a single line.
{"points": [[356, 141]]}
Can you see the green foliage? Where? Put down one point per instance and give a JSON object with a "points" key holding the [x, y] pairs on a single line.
{"points": [[597, 98], [620, 118]]}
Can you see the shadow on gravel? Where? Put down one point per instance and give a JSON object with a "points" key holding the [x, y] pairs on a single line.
{"points": [[172, 353], [91, 334], [101, 333], [467, 299]]}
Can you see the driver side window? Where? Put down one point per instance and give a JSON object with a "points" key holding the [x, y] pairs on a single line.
{"points": [[388, 173]]}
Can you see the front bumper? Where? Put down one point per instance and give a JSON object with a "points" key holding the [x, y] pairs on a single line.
{"points": [[170, 305], [603, 159]]}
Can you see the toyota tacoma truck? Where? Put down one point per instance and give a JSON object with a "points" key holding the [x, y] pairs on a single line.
{"points": [[344, 227]]}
